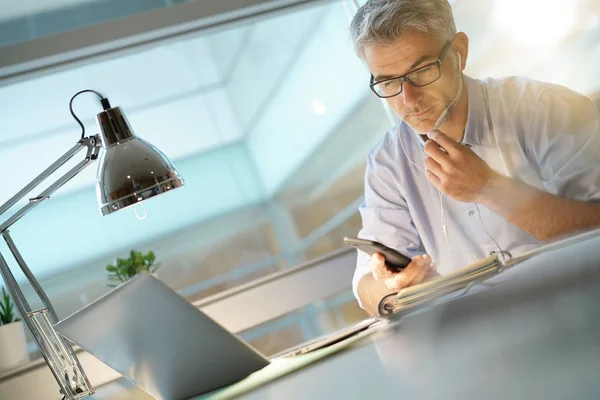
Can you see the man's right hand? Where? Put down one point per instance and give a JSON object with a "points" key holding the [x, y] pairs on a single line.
{"points": [[420, 269]]}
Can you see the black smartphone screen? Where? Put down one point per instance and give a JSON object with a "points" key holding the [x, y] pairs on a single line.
{"points": [[394, 260]]}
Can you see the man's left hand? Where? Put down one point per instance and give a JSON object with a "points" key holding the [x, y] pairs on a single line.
{"points": [[456, 170]]}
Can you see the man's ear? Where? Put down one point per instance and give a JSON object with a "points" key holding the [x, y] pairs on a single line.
{"points": [[460, 45]]}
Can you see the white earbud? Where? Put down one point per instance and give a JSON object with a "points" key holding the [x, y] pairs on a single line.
{"points": [[436, 126], [453, 102], [440, 119]]}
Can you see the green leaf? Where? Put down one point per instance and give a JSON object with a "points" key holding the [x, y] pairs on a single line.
{"points": [[150, 257], [131, 270], [7, 310], [136, 263]]}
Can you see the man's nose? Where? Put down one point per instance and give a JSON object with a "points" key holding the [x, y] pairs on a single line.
{"points": [[410, 94]]}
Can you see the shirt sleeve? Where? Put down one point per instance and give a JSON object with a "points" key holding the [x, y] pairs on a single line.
{"points": [[385, 218], [568, 144]]}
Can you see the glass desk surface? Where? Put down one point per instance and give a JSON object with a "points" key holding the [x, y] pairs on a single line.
{"points": [[532, 332]]}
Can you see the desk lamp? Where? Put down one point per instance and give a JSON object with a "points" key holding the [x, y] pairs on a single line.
{"points": [[130, 171]]}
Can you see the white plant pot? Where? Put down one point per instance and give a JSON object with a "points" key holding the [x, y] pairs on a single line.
{"points": [[13, 346]]}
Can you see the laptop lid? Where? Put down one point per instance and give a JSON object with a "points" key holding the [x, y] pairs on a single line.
{"points": [[155, 338]]}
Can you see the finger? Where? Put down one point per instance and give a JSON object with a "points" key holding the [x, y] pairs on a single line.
{"points": [[402, 279], [434, 179], [378, 268], [450, 145], [433, 150], [432, 273], [422, 273], [433, 166]]}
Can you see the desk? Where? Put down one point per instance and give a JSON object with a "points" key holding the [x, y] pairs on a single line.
{"points": [[534, 334]]}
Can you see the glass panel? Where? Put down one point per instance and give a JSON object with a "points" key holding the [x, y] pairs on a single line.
{"points": [[323, 195], [559, 45]]}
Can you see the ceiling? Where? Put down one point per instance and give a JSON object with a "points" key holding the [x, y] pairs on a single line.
{"points": [[188, 97], [16, 9]]}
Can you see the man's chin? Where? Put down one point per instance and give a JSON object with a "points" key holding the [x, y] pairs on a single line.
{"points": [[421, 127]]}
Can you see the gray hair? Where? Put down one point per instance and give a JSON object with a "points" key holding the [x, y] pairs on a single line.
{"points": [[383, 21]]}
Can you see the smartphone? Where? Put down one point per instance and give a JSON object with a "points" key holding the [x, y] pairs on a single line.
{"points": [[394, 260]]}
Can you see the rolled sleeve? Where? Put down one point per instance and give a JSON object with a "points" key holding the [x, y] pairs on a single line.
{"points": [[385, 218], [569, 150]]}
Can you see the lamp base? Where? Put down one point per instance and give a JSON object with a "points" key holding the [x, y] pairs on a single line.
{"points": [[59, 356]]}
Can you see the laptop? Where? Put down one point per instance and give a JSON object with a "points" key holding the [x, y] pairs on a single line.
{"points": [[163, 344]]}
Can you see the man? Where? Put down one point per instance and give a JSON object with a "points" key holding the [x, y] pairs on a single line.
{"points": [[474, 167]]}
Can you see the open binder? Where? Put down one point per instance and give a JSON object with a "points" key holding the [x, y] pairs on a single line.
{"points": [[414, 296]]}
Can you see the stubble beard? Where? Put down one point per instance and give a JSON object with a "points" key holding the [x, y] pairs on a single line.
{"points": [[449, 103]]}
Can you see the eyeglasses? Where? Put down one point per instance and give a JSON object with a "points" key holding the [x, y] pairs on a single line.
{"points": [[420, 77]]}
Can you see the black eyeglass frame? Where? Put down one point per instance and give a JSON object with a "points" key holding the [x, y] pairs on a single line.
{"points": [[404, 78]]}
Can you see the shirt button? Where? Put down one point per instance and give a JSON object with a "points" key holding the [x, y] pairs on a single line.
{"points": [[471, 213]]}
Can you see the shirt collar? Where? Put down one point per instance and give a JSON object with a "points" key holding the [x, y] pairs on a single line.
{"points": [[477, 118]]}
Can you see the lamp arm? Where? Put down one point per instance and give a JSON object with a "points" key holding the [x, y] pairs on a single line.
{"points": [[58, 354], [93, 146]]}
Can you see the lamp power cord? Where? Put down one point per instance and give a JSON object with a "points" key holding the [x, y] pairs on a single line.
{"points": [[103, 100]]}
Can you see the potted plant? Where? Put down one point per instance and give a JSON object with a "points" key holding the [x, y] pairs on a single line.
{"points": [[13, 342], [125, 269]]}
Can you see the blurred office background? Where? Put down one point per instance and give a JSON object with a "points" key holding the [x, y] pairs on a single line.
{"points": [[268, 120]]}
